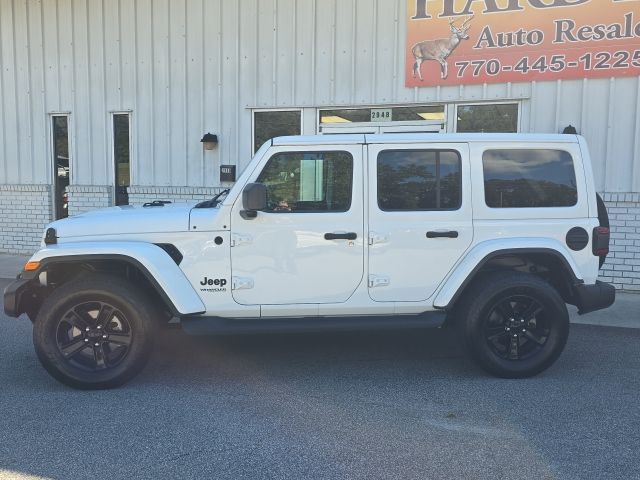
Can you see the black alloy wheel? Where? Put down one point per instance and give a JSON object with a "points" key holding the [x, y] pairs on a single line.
{"points": [[95, 331], [514, 324], [94, 336], [516, 327]]}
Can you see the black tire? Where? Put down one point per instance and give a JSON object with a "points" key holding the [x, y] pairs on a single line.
{"points": [[500, 306], [110, 317]]}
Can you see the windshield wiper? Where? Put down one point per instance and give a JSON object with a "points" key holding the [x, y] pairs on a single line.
{"points": [[214, 201]]}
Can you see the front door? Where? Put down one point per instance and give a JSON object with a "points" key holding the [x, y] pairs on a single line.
{"points": [[307, 246], [419, 218]]}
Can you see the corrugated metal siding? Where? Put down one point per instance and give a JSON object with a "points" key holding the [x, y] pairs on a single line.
{"points": [[185, 67]]}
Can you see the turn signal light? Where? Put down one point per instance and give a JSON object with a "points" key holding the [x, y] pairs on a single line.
{"points": [[31, 266]]}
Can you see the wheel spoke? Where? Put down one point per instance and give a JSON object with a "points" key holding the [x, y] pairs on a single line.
{"points": [[497, 336], [99, 357], [532, 311], [514, 347], [535, 337], [74, 347], [78, 320], [121, 339], [105, 315], [491, 329]]}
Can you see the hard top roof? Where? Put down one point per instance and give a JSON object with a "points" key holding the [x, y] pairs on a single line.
{"points": [[345, 139]]}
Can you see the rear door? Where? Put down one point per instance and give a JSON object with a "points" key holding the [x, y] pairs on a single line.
{"points": [[420, 217]]}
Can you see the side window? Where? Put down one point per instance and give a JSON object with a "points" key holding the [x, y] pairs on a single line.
{"points": [[419, 180], [275, 123], [529, 178], [308, 182]]}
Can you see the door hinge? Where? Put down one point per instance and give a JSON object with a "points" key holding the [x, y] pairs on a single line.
{"points": [[378, 281], [375, 237], [241, 283], [237, 239]]}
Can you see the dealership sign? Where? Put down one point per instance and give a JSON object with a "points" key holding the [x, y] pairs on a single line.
{"points": [[454, 42]]}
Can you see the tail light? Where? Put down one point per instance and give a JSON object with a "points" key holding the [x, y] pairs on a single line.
{"points": [[601, 241]]}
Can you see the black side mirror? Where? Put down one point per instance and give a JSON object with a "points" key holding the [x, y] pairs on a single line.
{"points": [[254, 198]]}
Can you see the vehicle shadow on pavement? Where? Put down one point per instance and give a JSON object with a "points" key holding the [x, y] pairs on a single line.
{"points": [[326, 354]]}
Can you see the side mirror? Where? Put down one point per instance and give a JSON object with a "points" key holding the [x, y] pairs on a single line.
{"points": [[254, 198]]}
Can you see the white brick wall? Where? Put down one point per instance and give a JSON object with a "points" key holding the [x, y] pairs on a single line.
{"points": [[83, 198], [24, 212], [139, 194], [622, 267]]}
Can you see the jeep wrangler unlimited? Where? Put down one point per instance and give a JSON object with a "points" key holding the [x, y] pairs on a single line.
{"points": [[493, 234]]}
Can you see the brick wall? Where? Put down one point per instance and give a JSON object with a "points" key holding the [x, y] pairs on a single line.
{"points": [[622, 267], [139, 194], [24, 212], [83, 198]]}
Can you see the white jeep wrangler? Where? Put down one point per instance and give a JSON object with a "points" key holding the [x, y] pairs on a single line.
{"points": [[492, 233]]}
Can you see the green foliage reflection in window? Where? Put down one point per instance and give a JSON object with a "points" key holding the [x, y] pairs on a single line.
{"points": [[308, 181]]}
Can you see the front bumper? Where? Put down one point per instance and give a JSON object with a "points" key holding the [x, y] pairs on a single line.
{"points": [[18, 296], [590, 298]]}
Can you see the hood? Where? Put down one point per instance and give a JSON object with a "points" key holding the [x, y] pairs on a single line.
{"points": [[126, 219]]}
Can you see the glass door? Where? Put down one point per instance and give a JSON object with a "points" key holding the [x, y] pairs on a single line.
{"points": [[61, 171]]}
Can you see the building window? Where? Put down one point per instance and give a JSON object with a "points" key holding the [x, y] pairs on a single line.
{"points": [[302, 182], [413, 113], [60, 131], [488, 118], [121, 156], [419, 180], [275, 123], [529, 178]]}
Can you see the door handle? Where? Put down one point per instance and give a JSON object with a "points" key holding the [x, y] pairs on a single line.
{"points": [[341, 236], [449, 234]]}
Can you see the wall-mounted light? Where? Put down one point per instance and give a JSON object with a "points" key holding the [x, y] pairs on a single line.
{"points": [[570, 130], [209, 141]]}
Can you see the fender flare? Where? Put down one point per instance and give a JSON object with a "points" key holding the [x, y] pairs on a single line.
{"points": [[152, 261], [462, 274]]}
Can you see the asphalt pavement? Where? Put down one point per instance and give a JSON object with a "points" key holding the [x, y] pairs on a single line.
{"points": [[361, 405]]}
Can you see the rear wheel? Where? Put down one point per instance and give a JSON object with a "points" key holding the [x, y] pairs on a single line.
{"points": [[95, 332], [514, 324]]}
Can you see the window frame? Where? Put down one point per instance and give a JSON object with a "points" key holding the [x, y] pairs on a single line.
{"points": [[460, 198], [112, 142], [518, 103], [376, 125], [317, 152], [53, 175], [553, 207], [254, 150]]}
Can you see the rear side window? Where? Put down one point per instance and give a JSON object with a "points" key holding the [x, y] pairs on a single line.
{"points": [[419, 180], [525, 178]]}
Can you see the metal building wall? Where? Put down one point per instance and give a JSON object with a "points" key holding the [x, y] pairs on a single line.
{"points": [[185, 67]]}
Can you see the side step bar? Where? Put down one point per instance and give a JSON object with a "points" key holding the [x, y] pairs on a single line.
{"points": [[197, 325]]}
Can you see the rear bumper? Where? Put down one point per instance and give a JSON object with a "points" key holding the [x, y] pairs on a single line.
{"points": [[590, 298], [17, 296]]}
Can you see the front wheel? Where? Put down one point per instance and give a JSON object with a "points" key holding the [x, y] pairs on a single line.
{"points": [[94, 333], [515, 325]]}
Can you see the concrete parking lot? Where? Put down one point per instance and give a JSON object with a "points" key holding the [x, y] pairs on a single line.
{"points": [[377, 405]]}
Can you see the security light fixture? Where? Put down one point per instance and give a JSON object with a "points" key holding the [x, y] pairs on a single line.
{"points": [[209, 141]]}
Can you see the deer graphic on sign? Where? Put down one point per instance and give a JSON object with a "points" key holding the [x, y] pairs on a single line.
{"points": [[440, 48]]}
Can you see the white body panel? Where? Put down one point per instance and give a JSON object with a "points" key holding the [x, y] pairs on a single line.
{"points": [[286, 256], [399, 250], [166, 273], [280, 265]]}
